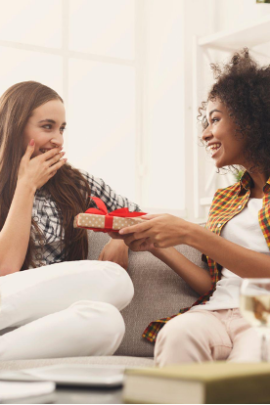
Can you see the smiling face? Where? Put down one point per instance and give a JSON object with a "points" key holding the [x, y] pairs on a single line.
{"points": [[226, 148], [46, 126]]}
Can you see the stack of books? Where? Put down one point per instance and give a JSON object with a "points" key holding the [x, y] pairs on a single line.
{"points": [[204, 383]]}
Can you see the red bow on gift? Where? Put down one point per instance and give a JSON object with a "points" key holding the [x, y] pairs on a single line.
{"points": [[102, 210]]}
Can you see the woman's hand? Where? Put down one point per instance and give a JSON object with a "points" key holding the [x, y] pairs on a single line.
{"points": [[159, 231], [38, 170], [115, 251], [136, 245]]}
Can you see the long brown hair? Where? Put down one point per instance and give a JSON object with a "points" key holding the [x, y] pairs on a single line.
{"points": [[16, 106]]}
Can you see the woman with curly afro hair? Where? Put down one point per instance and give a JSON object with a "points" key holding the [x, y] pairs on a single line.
{"points": [[236, 239]]}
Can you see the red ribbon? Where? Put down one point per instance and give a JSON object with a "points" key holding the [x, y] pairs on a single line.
{"points": [[102, 210]]}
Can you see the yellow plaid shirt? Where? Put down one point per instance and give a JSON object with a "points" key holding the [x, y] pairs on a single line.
{"points": [[227, 203]]}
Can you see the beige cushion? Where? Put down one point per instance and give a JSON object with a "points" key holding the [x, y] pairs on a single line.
{"points": [[159, 293]]}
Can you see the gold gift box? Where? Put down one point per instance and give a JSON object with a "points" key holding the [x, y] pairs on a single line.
{"points": [[90, 221]]}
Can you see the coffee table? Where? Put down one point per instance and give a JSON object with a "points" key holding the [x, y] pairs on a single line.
{"points": [[75, 395], [88, 396]]}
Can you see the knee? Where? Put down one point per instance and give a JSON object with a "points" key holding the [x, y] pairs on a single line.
{"points": [[173, 343], [170, 336], [117, 288], [124, 289], [116, 328], [102, 320]]}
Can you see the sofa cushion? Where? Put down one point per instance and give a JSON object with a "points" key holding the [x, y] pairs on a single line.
{"points": [[159, 293]]}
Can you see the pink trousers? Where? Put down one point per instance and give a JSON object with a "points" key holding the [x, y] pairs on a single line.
{"points": [[202, 335]]}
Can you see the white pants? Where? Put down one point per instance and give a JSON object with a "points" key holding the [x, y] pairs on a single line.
{"points": [[63, 310]]}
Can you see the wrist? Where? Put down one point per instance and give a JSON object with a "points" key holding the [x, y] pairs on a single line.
{"points": [[193, 234], [24, 186], [160, 252], [118, 242]]}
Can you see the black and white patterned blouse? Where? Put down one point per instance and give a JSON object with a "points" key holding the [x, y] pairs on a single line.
{"points": [[46, 215]]}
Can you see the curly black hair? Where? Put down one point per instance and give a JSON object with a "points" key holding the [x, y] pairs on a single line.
{"points": [[244, 88]]}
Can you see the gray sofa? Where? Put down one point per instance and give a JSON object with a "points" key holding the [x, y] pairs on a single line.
{"points": [[159, 293]]}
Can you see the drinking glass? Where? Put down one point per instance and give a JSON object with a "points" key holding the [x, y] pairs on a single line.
{"points": [[255, 308]]}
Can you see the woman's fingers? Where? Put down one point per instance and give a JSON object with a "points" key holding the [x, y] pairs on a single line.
{"points": [[141, 245], [50, 154], [52, 174], [128, 239], [55, 159], [115, 235], [100, 257], [29, 150], [151, 216], [56, 166], [135, 228]]}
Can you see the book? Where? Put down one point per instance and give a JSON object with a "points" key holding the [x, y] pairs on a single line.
{"points": [[200, 383]]}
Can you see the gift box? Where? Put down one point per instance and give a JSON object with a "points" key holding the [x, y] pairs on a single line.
{"points": [[100, 220]]}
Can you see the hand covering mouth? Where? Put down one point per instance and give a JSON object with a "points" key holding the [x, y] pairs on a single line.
{"points": [[44, 150]]}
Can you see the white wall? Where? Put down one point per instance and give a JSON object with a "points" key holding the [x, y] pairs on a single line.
{"points": [[168, 114], [101, 91], [198, 21], [163, 115], [232, 13]]}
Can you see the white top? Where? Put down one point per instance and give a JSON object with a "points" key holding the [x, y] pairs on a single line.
{"points": [[244, 230]]}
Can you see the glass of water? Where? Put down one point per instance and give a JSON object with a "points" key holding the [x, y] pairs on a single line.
{"points": [[255, 308]]}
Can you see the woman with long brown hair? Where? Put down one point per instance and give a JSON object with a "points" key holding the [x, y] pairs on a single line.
{"points": [[63, 305]]}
